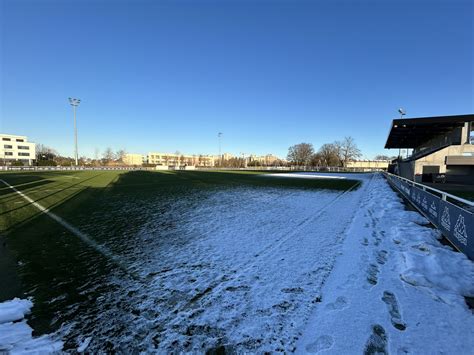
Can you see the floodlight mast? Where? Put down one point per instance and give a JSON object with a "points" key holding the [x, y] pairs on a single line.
{"points": [[402, 113], [74, 103], [219, 137]]}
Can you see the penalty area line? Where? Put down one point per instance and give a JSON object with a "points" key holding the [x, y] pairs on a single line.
{"points": [[84, 237]]}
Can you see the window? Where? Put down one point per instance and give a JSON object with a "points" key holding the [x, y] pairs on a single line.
{"points": [[8, 153], [24, 154], [25, 147], [6, 146], [20, 140], [6, 139]]}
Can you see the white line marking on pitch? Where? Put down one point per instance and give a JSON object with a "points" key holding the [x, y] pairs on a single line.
{"points": [[84, 237]]}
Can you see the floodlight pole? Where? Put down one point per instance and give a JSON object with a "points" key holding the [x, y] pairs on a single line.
{"points": [[74, 103], [219, 137]]}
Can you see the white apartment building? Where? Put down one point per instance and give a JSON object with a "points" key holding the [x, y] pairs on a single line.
{"points": [[16, 148], [268, 159], [169, 159], [134, 159]]}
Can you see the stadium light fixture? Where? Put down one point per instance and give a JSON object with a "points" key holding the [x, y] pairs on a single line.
{"points": [[402, 112], [74, 103]]}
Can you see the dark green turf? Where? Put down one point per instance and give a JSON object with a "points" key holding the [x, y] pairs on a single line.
{"points": [[81, 189], [468, 195]]}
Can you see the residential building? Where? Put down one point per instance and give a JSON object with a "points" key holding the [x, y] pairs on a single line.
{"points": [[266, 160], [15, 148], [176, 159], [133, 159]]}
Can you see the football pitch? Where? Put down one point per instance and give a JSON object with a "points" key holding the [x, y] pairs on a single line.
{"points": [[142, 247], [73, 192]]}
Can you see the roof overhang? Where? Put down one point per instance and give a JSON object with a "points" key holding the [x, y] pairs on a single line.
{"points": [[412, 132]]}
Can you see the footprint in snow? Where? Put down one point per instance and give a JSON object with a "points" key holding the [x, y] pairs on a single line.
{"points": [[376, 238], [372, 274], [324, 342], [381, 257], [340, 303], [377, 342], [394, 310]]}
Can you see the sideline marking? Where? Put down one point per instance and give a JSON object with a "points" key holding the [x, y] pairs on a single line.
{"points": [[84, 237]]}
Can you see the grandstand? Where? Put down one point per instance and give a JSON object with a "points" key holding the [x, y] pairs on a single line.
{"points": [[442, 148]]}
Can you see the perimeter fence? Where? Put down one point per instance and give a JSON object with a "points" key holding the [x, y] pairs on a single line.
{"points": [[452, 215]]}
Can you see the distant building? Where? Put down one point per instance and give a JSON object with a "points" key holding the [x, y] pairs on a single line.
{"points": [[226, 156], [173, 159], [177, 159], [369, 164], [440, 146], [16, 148], [133, 159], [268, 159]]}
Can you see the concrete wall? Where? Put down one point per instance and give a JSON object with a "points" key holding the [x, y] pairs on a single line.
{"points": [[439, 157], [369, 164], [406, 169]]}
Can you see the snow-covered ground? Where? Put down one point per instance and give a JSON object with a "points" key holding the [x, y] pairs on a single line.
{"points": [[309, 175], [16, 334], [268, 269], [394, 289]]}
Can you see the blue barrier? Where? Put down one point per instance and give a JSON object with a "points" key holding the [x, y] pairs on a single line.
{"points": [[455, 222]]}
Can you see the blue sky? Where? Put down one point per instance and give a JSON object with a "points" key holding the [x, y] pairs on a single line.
{"points": [[169, 75]]}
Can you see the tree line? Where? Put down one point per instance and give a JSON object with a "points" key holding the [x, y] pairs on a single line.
{"points": [[338, 153], [46, 156]]}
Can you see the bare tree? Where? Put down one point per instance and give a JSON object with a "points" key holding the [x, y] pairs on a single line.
{"points": [[119, 155], [300, 154], [329, 154], [384, 157], [96, 153], [108, 155], [348, 150], [45, 153]]}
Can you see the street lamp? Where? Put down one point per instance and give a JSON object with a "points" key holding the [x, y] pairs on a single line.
{"points": [[74, 103]]}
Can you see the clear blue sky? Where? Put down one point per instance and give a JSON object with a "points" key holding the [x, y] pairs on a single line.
{"points": [[168, 75]]}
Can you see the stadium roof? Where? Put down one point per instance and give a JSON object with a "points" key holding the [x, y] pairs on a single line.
{"points": [[411, 132]]}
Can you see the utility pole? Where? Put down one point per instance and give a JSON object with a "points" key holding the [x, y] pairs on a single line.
{"points": [[74, 103]]}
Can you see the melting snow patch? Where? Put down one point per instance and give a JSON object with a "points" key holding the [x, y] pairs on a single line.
{"points": [[307, 176], [16, 335]]}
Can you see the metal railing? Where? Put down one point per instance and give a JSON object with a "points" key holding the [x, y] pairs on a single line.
{"points": [[444, 195], [453, 216]]}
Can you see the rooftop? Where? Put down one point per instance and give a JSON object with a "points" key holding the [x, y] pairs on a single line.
{"points": [[412, 132]]}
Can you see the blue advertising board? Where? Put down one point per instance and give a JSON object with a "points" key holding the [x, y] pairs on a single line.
{"points": [[456, 223], [427, 203]]}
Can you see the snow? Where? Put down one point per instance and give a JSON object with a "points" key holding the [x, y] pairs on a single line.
{"points": [[309, 175], [240, 267], [16, 335], [267, 269], [394, 289]]}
